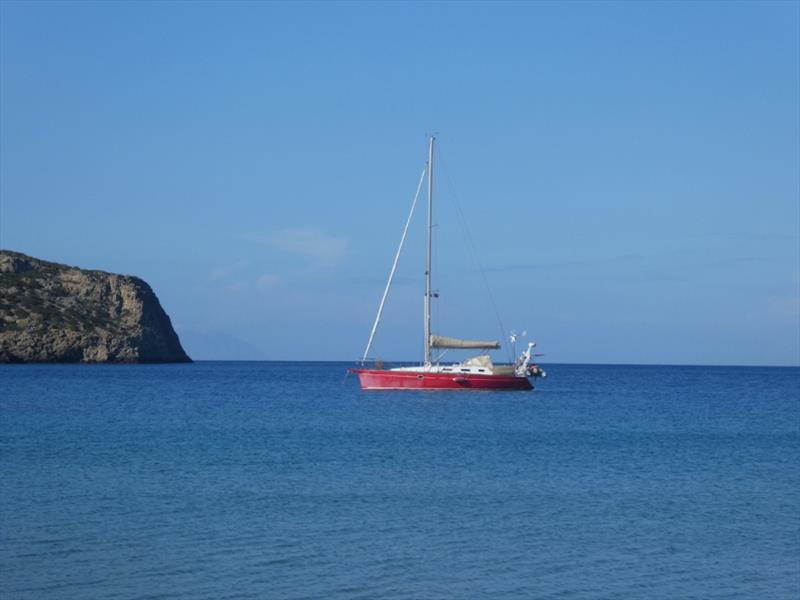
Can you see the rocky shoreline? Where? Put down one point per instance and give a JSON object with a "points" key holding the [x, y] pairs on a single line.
{"points": [[51, 312]]}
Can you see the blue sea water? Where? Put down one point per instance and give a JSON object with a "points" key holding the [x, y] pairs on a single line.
{"points": [[284, 480]]}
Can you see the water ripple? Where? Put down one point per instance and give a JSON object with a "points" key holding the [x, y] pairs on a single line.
{"points": [[250, 481]]}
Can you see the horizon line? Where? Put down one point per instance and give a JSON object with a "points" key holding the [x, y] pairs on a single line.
{"points": [[588, 364]]}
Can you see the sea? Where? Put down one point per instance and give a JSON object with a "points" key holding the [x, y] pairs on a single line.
{"points": [[283, 480]]}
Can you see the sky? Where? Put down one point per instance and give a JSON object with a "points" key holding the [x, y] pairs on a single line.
{"points": [[628, 173]]}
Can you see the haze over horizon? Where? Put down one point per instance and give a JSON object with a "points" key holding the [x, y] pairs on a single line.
{"points": [[629, 173]]}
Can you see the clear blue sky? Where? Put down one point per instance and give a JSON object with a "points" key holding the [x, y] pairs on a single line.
{"points": [[629, 171]]}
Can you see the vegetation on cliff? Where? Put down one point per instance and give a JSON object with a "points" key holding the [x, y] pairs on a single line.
{"points": [[56, 313]]}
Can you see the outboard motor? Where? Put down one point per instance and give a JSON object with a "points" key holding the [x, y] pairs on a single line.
{"points": [[524, 367]]}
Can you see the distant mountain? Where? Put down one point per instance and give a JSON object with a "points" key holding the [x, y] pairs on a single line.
{"points": [[56, 313], [216, 345]]}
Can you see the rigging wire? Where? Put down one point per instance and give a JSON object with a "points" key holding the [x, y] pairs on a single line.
{"points": [[394, 268], [467, 235]]}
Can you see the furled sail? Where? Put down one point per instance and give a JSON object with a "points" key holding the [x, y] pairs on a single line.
{"points": [[440, 341]]}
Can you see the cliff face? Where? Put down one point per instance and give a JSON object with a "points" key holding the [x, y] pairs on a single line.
{"points": [[56, 313]]}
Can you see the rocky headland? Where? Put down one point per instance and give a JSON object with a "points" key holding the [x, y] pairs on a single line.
{"points": [[56, 313]]}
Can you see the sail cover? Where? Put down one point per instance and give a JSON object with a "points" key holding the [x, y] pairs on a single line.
{"points": [[440, 341]]}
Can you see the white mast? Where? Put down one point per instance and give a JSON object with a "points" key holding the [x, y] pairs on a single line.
{"points": [[427, 303]]}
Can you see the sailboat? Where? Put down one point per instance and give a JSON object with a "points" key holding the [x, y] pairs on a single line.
{"points": [[474, 373]]}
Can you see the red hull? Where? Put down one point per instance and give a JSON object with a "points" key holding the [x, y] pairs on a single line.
{"points": [[410, 380]]}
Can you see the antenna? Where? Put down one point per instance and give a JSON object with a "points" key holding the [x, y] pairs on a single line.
{"points": [[513, 339]]}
